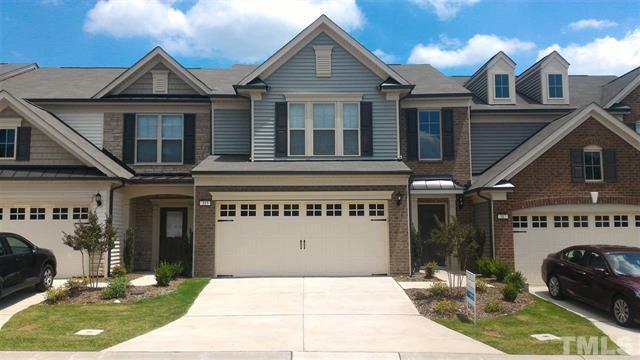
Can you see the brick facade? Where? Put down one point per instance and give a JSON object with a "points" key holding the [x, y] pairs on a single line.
{"points": [[547, 181], [112, 141], [632, 100], [142, 217], [205, 217], [460, 167]]}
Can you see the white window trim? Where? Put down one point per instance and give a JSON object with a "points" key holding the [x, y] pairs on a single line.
{"points": [[549, 87], [309, 130], [420, 158], [592, 149], [15, 141], [159, 140]]}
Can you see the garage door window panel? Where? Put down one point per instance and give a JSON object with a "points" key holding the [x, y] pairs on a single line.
{"points": [[271, 210], [314, 209], [376, 210], [621, 221], [356, 209], [580, 221], [80, 213], [520, 222], [247, 210], [638, 221], [1, 213], [60, 213], [538, 222], [17, 214], [36, 214], [602, 221], [334, 209], [291, 210], [227, 210], [561, 221]]}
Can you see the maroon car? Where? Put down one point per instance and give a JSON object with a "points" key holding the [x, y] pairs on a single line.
{"points": [[605, 276]]}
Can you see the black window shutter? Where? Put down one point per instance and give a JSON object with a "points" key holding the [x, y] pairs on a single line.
{"points": [[610, 165], [577, 165], [189, 143], [129, 139], [281, 129], [411, 116], [448, 141], [366, 128], [23, 143]]}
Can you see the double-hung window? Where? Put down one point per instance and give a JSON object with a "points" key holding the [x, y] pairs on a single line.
{"points": [[593, 165], [502, 86], [324, 129], [430, 135], [7, 143], [159, 138], [555, 85]]}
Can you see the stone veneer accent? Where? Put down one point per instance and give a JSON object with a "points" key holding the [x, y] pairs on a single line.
{"points": [[112, 141], [205, 219], [547, 181]]}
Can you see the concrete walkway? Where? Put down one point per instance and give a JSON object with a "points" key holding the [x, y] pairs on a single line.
{"points": [[367, 315], [628, 339]]}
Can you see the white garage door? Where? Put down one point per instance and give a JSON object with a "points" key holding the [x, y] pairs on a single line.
{"points": [[44, 226], [297, 238], [540, 231]]}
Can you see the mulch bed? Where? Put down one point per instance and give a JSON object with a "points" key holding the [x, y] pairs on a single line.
{"points": [[136, 293], [425, 301], [415, 277]]}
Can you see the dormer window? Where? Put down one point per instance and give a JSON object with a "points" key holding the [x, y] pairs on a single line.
{"points": [[502, 86], [555, 86]]}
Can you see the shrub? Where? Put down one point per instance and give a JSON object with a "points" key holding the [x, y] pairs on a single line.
{"points": [[55, 295], [445, 307], [77, 284], [118, 271], [177, 269], [494, 306], [439, 289], [481, 285], [500, 269], [117, 288], [430, 269], [485, 266], [164, 273], [517, 280], [510, 293]]}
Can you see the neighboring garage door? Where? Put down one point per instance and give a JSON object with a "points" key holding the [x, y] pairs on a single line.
{"points": [[44, 226], [294, 238], [541, 231]]}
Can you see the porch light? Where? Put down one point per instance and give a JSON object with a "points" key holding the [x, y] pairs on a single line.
{"points": [[98, 198], [398, 198]]}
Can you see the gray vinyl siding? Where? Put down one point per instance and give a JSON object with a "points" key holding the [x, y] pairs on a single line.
{"points": [[347, 75], [479, 86], [144, 85], [491, 141], [232, 131], [531, 86], [482, 220]]}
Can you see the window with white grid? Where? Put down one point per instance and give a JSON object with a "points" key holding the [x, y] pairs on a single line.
{"points": [[620, 221], [580, 221], [356, 209], [227, 210], [602, 221], [291, 210], [17, 214], [538, 221], [561, 221], [334, 209], [247, 209], [80, 213], [271, 210], [314, 209], [520, 222], [376, 210], [36, 214]]}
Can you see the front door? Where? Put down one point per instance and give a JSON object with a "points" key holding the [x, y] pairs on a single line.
{"points": [[428, 217], [173, 231]]}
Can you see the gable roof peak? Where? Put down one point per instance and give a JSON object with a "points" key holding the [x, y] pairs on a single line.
{"points": [[492, 60], [543, 60]]}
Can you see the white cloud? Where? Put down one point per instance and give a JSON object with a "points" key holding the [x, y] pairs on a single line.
{"points": [[444, 9], [477, 50], [605, 55], [591, 24], [239, 30], [387, 58]]}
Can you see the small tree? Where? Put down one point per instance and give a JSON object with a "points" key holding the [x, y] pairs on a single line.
{"points": [[417, 250], [94, 239], [129, 248]]}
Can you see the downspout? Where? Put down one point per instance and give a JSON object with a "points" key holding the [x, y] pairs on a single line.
{"points": [[111, 215], [410, 223], [490, 201]]}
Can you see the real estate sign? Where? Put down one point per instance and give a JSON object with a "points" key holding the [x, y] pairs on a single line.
{"points": [[471, 294]]}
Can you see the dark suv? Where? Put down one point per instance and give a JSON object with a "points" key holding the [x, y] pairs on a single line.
{"points": [[605, 276], [23, 265]]}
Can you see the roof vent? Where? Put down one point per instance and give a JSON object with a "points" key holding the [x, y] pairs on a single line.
{"points": [[160, 81], [323, 60]]}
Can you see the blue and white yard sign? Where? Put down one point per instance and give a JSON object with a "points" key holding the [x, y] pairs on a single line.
{"points": [[471, 294]]}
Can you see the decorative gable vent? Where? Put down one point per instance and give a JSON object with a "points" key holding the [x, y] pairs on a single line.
{"points": [[323, 60], [160, 81]]}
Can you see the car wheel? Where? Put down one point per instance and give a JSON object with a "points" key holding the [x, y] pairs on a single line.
{"points": [[46, 278], [621, 311], [555, 290]]}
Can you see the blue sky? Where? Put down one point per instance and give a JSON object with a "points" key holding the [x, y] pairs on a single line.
{"points": [[457, 36]]}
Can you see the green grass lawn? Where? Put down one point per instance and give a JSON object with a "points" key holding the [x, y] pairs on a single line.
{"points": [[45, 327], [512, 333]]}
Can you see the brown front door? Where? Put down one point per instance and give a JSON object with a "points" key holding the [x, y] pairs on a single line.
{"points": [[173, 232]]}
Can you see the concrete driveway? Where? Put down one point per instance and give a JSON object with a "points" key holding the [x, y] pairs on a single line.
{"points": [[627, 338], [370, 314]]}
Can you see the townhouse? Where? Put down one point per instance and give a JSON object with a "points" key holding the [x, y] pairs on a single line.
{"points": [[319, 161]]}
